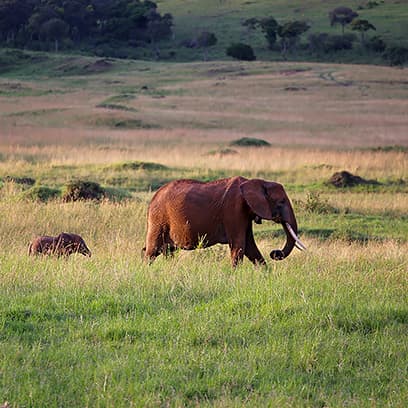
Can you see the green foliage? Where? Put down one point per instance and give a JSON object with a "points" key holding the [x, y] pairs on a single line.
{"points": [[314, 203], [269, 26], [396, 55], [290, 33], [241, 51], [362, 26], [36, 22], [40, 193], [139, 165], [376, 44], [328, 43], [250, 142], [82, 190]]}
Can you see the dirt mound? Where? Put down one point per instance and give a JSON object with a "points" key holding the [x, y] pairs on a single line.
{"points": [[250, 142], [99, 65], [82, 190], [346, 179]]}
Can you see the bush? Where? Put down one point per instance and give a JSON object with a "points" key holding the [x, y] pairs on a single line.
{"points": [[241, 51], [82, 190], [139, 165], [315, 204], [249, 142], [323, 42], [376, 44], [40, 193], [396, 55]]}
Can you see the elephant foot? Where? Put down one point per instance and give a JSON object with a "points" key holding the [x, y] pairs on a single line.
{"points": [[277, 255]]}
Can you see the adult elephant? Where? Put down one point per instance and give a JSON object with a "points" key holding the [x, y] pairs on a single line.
{"points": [[187, 213]]}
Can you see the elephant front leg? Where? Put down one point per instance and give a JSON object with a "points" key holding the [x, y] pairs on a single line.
{"points": [[251, 250]]}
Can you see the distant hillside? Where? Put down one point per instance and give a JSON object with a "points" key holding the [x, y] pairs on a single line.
{"points": [[225, 17], [191, 30]]}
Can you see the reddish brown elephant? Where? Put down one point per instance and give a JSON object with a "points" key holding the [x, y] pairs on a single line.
{"points": [[64, 244], [186, 214]]}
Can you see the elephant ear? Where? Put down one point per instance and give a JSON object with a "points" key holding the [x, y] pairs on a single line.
{"points": [[253, 192]]}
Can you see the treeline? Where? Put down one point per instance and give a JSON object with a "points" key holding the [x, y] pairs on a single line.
{"points": [[54, 24]]}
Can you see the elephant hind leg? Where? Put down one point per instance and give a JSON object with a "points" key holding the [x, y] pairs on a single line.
{"points": [[158, 242], [154, 244]]}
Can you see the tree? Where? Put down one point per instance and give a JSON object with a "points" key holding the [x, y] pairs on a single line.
{"points": [[269, 26], [363, 26], [80, 16], [14, 15], [42, 14], [205, 40], [290, 33], [250, 25], [55, 29], [158, 28], [342, 15]]}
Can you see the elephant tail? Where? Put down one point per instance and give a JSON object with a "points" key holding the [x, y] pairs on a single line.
{"points": [[30, 248]]}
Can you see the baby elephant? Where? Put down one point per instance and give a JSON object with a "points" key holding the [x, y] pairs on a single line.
{"points": [[64, 244]]}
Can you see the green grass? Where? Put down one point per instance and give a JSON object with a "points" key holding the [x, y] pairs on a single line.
{"points": [[111, 332]]}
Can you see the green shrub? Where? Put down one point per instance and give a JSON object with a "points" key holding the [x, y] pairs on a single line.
{"points": [[396, 55], [249, 142], [376, 44], [82, 190], [41, 193], [139, 165], [327, 43], [241, 51], [315, 204]]}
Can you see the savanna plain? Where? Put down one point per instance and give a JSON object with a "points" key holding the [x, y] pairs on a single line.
{"points": [[323, 328]]}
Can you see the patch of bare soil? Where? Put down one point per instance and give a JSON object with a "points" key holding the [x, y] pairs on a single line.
{"points": [[99, 65]]}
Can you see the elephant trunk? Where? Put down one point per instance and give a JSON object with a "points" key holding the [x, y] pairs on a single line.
{"points": [[289, 225]]}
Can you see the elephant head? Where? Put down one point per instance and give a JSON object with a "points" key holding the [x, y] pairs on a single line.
{"points": [[72, 243], [268, 200]]}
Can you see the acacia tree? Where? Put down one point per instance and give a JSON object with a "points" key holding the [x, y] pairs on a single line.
{"points": [[158, 28], [362, 26], [205, 40], [250, 25], [343, 16], [269, 26], [290, 34]]}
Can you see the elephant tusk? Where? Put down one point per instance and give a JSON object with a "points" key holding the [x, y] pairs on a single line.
{"points": [[298, 242]]}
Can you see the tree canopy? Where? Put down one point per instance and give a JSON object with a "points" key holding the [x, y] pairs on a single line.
{"points": [[26, 22]]}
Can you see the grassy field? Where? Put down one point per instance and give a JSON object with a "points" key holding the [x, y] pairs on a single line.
{"points": [[323, 328]]}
